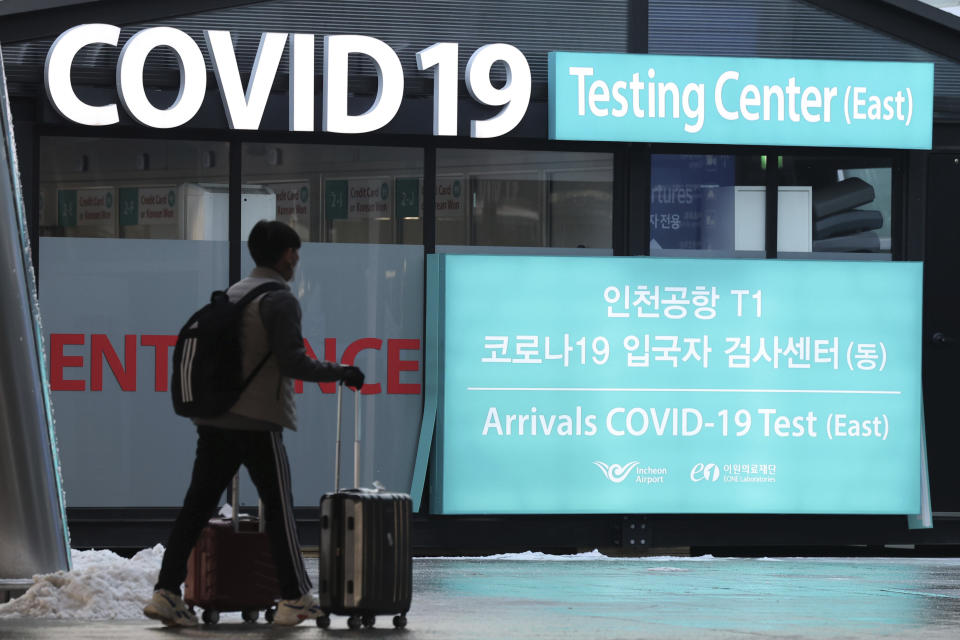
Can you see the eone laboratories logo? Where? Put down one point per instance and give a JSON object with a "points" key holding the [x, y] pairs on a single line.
{"points": [[615, 472], [709, 472]]}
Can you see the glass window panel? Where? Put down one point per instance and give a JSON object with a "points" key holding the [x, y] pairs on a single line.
{"points": [[123, 188], [111, 311], [838, 205], [109, 355], [707, 205], [333, 193], [581, 206], [361, 297], [524, 198]]}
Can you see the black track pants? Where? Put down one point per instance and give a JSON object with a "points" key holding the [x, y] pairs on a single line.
{"points": [[220, 452]]}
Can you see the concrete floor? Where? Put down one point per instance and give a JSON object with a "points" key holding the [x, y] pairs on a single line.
{"points": [[656, 598]]}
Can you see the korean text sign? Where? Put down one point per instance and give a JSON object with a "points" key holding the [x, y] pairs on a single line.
{"points": [[614, 385], [689, 99]]}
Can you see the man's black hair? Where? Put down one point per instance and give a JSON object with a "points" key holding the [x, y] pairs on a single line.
{"points": [[269, 239]]}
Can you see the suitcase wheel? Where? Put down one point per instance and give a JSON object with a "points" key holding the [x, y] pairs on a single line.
{"points": [[368, 621], [269, 614], [354, 622], [210, 616], [400, 621], [323, 621], [250, 615]]}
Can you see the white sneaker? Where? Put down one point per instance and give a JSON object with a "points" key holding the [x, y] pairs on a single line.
{"points": [[291, 612], [170, 609]]}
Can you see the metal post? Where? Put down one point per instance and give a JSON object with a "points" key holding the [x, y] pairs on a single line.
{"points": [[336, 460], [356, 438]]}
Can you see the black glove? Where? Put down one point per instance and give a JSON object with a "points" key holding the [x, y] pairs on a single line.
{"points": [[352, 377]]}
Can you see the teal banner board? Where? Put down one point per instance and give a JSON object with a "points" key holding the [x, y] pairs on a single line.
{"points": [[655, 385], [749, 101]]}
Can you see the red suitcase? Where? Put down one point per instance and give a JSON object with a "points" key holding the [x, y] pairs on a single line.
{"points": [[231, 568]]}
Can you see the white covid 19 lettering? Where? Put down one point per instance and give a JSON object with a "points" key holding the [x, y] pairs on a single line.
{"points": [[443, 56], [301, 104], [514, 95], [336, 51], [244, 106], [245, 109], [56, 74], [193, 77]]}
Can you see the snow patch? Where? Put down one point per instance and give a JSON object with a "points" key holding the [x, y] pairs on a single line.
{"points": [[590, 556], [101, 586]]}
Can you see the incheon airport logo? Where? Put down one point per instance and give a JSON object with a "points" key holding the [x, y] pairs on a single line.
{"points": [[708, 472], [615, 472]]}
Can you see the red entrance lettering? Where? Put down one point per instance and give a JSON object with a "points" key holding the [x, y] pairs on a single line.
{"points": [[395, 365], [125, 371], [125, 374], [59, 361], [161, 345]]}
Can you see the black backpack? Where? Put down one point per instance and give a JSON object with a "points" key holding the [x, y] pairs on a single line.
{"points": [[208, 360]]}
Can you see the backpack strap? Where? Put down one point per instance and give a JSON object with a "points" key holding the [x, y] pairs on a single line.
{"points": [[259, 290]]}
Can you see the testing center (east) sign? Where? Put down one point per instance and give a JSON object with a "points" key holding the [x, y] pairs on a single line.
{"points": [[749, 101], [655, 385], [593, 96]]}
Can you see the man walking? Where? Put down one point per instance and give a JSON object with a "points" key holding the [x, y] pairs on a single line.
{"points": [[251, 433]]}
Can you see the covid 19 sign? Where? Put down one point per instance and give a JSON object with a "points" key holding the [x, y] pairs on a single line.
{"points": [[592, 96], [244, 106]]}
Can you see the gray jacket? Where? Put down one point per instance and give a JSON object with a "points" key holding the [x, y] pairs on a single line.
{"points": [[271, 324]]}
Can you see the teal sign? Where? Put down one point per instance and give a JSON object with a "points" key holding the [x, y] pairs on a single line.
{"points": [[67, 207], [653, 385], [408, 197], [751, 101], [336, 199], [129, 206]]}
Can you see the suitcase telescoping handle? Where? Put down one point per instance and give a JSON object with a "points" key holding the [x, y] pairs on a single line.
{"points": [[356, 440], [235, 501]]}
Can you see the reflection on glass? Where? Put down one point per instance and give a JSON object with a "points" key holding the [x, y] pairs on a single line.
{"points": [[330, 193], [506, 210], [850, 204], [581, 204], [123, 188], [33, 522], [524, 198], [706, 203]]}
